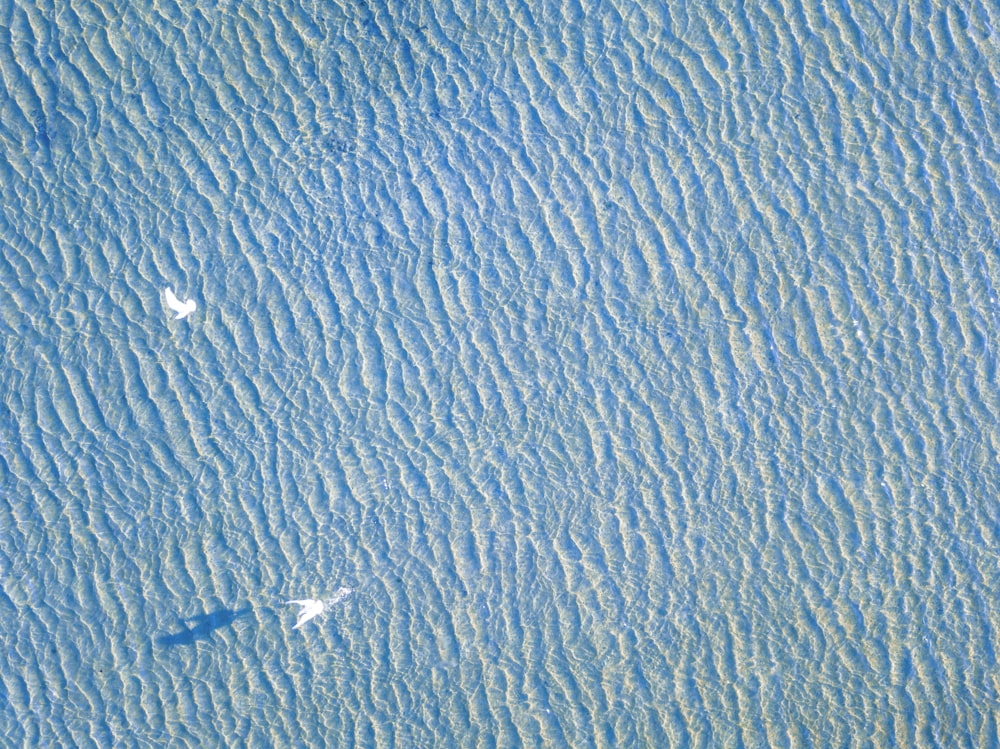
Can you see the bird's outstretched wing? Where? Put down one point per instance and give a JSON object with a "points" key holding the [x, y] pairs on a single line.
{"points": [[173, 302]]}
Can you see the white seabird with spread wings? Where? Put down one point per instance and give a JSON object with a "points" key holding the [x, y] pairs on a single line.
{"points": [[183, 309], [311, 608]]}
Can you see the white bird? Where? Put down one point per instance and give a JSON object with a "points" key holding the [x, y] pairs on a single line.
{"points": [[312, 608], [183, 309]]}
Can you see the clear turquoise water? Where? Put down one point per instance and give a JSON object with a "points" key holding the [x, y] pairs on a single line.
{"points": [[635, 366]]}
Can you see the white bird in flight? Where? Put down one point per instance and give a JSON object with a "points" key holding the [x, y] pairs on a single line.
{"points": [[312, 608], [183, 309]]}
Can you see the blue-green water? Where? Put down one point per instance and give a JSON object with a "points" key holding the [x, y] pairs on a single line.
{"points": [[634, 364]]}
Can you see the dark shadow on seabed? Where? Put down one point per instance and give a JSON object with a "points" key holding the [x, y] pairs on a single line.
{"points": [[203, 626]]}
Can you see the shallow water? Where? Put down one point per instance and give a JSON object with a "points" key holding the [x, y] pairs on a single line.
{"points": [[635, 367]]}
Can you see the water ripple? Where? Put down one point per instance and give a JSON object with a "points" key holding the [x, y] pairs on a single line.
{"points": [[633, 364]]}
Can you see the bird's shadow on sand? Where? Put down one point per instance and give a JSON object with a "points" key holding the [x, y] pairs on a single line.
{"points": [[201, 626]]}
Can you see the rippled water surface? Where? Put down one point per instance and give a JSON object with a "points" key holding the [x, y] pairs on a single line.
{"points": [[632, 364]]}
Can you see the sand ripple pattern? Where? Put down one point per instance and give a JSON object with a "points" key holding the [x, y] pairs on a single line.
{"points": [[634, 363]]}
